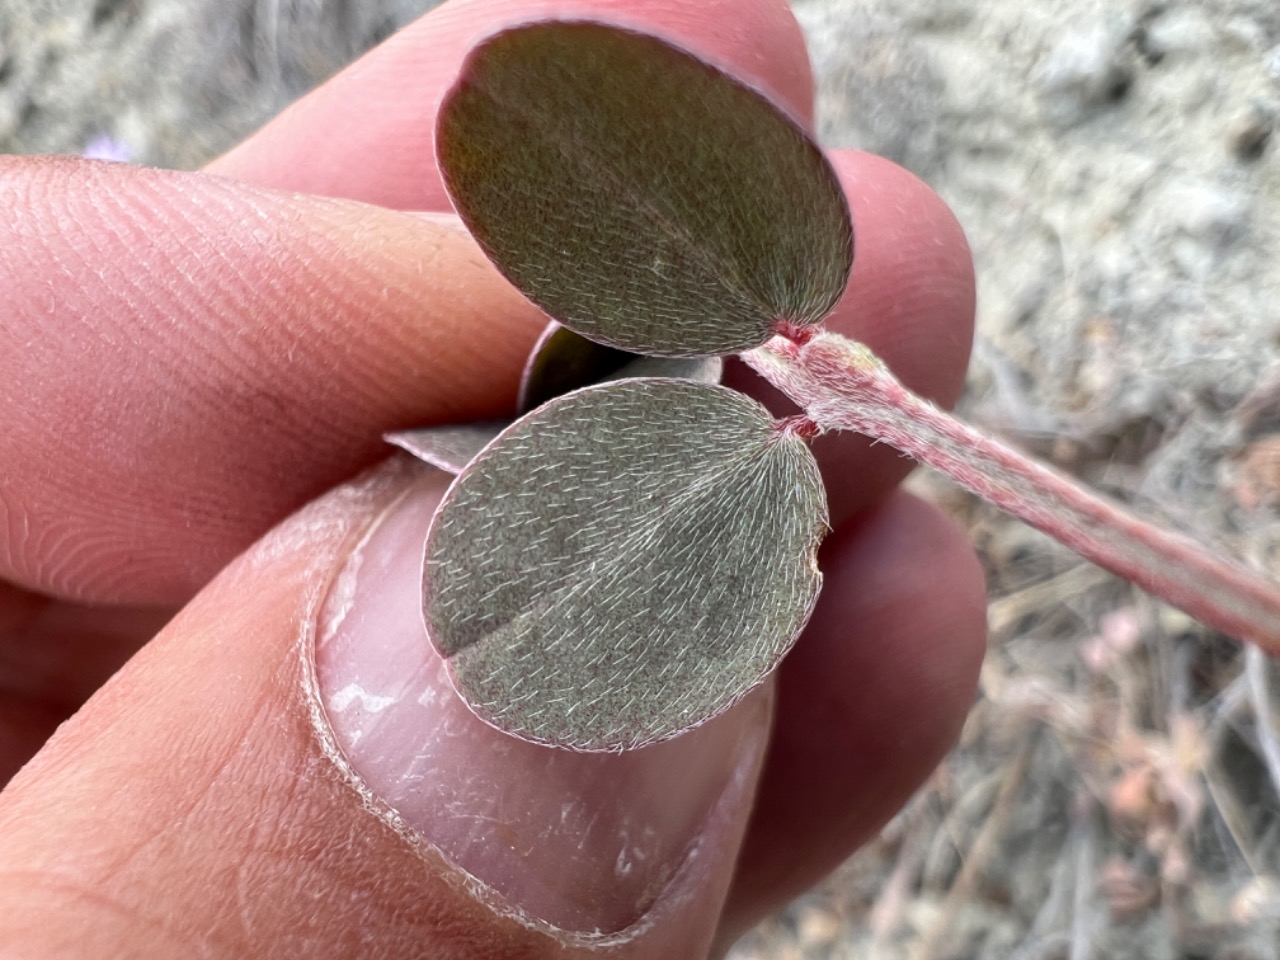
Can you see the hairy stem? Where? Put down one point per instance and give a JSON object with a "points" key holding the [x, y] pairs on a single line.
{"points": [[842, 385]]}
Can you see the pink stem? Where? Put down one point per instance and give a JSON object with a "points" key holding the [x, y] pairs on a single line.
{"points": [[842, 385]]}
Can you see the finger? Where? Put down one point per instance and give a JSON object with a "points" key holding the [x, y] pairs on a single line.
{"points": [[910, 298], [216, 796], [225, 422], [197, 358], [360, 136], [52, 657], [869, 701]]}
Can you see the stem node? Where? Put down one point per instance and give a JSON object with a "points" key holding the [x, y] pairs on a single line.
{"points": [[799, 334], [797, 426]]}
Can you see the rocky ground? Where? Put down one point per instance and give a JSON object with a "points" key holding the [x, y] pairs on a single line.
{"points": [[1117, 790]]}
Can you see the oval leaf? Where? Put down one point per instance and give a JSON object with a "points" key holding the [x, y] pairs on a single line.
{"points": [[639, 195], [624, 563]]}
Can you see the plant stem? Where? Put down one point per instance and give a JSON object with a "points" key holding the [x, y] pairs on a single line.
{"points": [[843, 385]]}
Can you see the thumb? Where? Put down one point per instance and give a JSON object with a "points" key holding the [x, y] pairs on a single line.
{"points": [[285, 772]]}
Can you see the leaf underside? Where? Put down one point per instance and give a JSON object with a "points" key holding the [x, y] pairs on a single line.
{"points": [[562, 360], [701, 369], [624, 563], [639, 195], [451, 447]]}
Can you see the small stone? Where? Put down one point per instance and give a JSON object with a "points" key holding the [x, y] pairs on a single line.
{"points": [[1210, 213], [1245, 34], [1085, 70], [1250, 133]]}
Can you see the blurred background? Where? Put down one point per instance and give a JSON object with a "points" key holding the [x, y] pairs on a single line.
{"points": [[1117, 789]]}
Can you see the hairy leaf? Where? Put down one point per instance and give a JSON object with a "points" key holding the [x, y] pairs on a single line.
{"points": [[624, 563], [638, 194]]}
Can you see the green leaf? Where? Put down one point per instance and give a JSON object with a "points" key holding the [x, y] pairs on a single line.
{"points": [[624, 563], [562, 360], [639, 195]]}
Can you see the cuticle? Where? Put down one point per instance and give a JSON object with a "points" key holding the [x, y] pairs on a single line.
{"points": [[314, 624], [310, 630]]}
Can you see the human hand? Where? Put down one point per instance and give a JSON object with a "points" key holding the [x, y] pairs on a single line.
{"points": [[282, 771]]}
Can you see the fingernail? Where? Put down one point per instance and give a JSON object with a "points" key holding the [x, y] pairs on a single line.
{"points": [[589, 844]]}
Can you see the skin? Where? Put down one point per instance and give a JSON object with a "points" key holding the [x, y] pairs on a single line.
{"points": [[206, 353]]}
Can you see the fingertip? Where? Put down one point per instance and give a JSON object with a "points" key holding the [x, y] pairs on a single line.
{"points": [[871, 699], [911, 297], [214, 356], [906, 576], [239, 785], [890, 663], [187, 804]]}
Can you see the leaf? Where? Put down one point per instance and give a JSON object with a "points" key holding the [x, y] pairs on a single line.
{"points": [[639, 195], [624, 563], [701, 369], [450, 447], [562, 360]]}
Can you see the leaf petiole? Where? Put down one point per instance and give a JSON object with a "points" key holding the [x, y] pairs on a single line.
{"points": [[842, 385]]}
